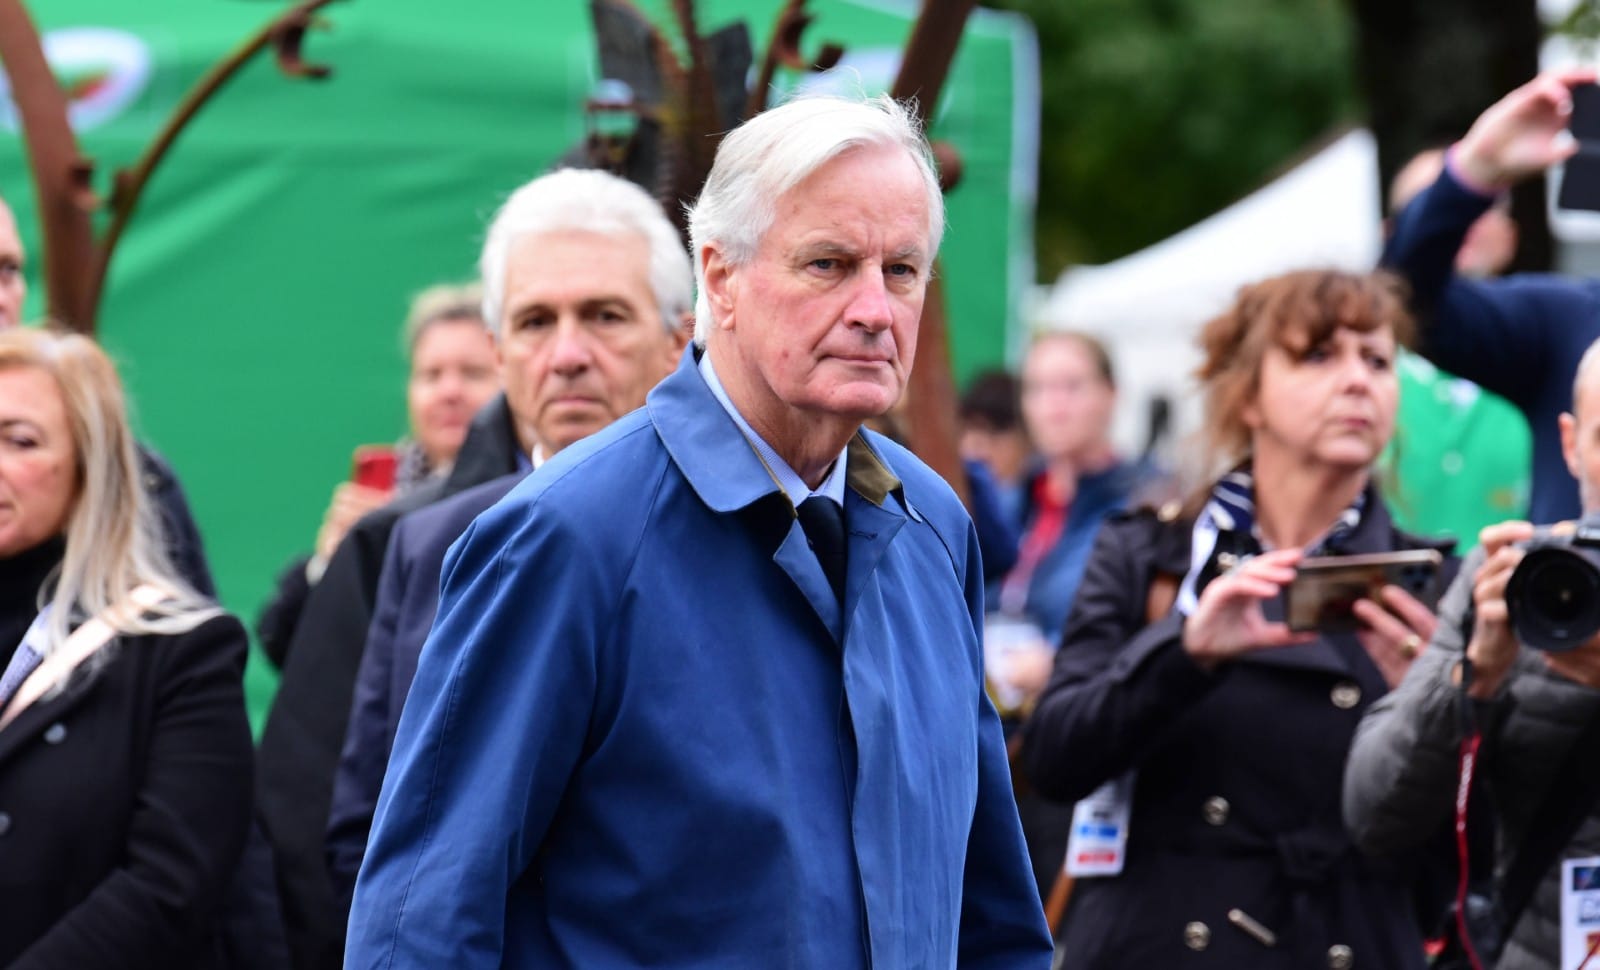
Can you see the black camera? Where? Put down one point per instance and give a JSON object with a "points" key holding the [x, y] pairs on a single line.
{"points": [[1553, 596]]}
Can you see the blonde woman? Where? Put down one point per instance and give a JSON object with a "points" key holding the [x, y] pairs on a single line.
{"points": [[125, 759]]}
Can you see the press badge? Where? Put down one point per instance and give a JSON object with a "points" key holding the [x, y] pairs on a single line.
{"points": [[1580, 913], [1098, 844]]}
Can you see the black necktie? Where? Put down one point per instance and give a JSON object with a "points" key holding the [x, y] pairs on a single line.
{"points": [[823, 522]]}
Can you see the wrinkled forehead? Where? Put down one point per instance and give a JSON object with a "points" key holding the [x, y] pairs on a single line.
{"points": [[871, 196]]}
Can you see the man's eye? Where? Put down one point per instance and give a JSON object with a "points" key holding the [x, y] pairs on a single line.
{"points": [[533, 322], [825, 264], [903, 270]]}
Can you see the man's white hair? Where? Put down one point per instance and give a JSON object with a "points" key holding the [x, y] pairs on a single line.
{"points": [[778, 149], [593, 201]]}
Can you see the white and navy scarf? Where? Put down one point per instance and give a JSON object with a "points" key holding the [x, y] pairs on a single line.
{"points": [[1225, 533]]}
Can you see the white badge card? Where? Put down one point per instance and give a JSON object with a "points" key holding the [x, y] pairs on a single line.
{"points": [[1580, 914], [1098, 844]]}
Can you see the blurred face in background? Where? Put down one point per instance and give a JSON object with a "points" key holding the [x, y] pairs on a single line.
{"points": [[12, 286], [1067, 402], [453, 374], [38, 462], [1331, 404]]}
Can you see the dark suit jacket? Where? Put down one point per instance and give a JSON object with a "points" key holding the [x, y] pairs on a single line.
{"points": [[124, 805], [177, 524], [300, 746], [408, 597]]}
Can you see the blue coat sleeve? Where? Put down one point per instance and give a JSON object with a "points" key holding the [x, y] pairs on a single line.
{"points": [[1502, 334], [365, 754], [471, 791], [1002, 921]]}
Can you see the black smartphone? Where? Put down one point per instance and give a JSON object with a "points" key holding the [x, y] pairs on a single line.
{"points": [[1580, 177], [1325, 588]]}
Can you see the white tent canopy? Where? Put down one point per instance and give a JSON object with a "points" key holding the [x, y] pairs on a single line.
{"points": [[1148, 306]]}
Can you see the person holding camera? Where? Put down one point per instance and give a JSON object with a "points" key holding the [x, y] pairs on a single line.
{"points": [[1536, 713], [1204, 739]]}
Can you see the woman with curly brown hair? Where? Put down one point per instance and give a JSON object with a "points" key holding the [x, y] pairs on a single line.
{"points": [[1212, 736]]}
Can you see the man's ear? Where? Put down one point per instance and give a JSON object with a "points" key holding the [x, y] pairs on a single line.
{"points": [[1569, 444], [718, 280]]}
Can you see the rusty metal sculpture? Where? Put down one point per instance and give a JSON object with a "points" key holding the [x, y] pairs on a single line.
{"points": [[682, 110], [75, 262]]}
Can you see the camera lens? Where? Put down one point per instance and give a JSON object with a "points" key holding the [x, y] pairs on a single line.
{"points": [[1554, 598]]}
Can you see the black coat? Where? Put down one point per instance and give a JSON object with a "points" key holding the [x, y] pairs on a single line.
{"points": [[178, 529], [304, 733], [124, 807], [1236, 807]]}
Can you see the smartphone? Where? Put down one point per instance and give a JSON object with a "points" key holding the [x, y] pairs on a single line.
{"points": [[1580, 176], [1325, 588], [375, 466]]}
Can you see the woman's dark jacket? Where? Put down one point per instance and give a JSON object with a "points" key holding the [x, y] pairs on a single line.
{"points": [[124, 800], [1236, 807]]}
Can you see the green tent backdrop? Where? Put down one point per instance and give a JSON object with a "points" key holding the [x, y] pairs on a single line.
{"points": [[254, 303]]}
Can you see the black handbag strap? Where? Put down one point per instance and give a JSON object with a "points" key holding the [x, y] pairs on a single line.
{"points": [[1572, 797]]}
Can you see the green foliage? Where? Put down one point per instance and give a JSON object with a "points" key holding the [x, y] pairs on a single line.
{"points": [[1156, 113]]}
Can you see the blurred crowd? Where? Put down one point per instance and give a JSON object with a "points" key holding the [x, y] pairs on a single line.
{"points": [[650, 644]]}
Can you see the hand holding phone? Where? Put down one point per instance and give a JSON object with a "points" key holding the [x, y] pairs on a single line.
{"points": [[1325, 589], [1580, 177]]}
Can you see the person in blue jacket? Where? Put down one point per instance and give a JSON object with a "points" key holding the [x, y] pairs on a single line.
{"points": [[1520, 336], [706, 689], [597, 256]]}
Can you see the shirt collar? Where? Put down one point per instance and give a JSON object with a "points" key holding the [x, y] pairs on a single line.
{"points": [[788, 479]]}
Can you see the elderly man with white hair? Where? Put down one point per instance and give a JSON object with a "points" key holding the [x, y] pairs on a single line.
{"points": [[706, 690], [588, 290]]}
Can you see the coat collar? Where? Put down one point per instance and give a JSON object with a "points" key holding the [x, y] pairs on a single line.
{"points": [[721, 466], [489, 450], [723, 469]]}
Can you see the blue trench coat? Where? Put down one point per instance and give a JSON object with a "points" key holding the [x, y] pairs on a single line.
{"points": [[644, 733]]}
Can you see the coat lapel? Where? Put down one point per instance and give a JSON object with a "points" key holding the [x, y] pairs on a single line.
{"points": [[33, 719]]}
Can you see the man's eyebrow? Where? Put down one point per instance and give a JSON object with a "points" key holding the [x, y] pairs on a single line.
{"points": [[827, 248], [911, 253]]}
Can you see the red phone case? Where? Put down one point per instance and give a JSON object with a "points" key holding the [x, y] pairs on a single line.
{"points": [[374, 466]]}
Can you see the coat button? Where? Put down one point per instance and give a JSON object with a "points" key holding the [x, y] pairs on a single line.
{"points": [[1341, 957], [1215, 810], [1345, 695], [55, 733], [1197, 936], [5, 823]]}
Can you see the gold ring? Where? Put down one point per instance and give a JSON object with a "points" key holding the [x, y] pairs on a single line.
{"points": [[1410, 645]]}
